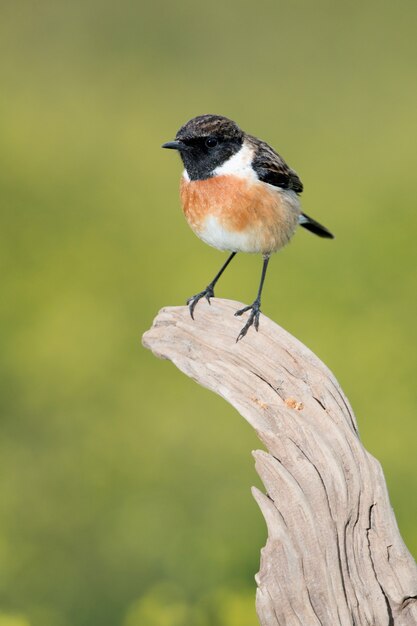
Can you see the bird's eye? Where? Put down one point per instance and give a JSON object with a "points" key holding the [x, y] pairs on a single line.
{"points": [[211, 142]]}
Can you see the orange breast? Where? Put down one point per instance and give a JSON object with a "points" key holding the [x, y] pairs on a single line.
{"points": [[239, 206]]}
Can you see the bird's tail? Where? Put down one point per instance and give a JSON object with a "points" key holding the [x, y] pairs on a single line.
{"points": [[314, 227]]}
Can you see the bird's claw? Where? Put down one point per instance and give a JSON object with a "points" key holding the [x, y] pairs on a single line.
{"points": [[253, 319], [207, 293]]}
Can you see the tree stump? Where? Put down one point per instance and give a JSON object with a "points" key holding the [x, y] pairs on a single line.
{"points": [[334, 555]]}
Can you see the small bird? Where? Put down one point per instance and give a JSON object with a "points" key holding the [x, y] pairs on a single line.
{"points": [[237, 195]]}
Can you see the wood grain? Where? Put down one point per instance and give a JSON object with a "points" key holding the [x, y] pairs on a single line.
{"points": [[334, 555]]}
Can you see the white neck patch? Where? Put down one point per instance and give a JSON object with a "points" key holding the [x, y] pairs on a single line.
{"points": [[239, 165]]}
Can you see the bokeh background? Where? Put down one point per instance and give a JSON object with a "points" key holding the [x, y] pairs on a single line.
{"points": [[124, 487]]}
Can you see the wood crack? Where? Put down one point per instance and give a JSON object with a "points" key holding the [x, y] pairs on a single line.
{"points": [[369, 528]]}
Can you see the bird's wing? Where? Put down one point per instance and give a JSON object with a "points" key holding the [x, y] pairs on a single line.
{"points": [[271, 167]]}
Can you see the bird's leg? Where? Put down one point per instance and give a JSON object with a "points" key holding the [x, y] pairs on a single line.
{"points": [[208, 292], [255, 308]]}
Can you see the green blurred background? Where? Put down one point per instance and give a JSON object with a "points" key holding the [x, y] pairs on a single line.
{"points": [[124, 486]]}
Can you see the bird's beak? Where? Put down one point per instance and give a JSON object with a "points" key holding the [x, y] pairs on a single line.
{"points": [[173, 145]]}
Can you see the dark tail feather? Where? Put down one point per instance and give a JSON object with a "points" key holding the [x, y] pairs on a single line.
{"points": [[314, 227]]}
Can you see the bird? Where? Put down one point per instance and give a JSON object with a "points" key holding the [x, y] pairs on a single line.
{"points": [[238, 195]]}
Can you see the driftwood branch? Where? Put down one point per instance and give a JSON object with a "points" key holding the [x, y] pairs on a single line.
{"points": [[334, 554]]}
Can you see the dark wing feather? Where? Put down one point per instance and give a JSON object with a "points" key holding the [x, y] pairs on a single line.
{"points": [[271, 168]]}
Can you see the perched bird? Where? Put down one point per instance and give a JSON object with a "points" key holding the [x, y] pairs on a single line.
{"points": [[238, 195]]}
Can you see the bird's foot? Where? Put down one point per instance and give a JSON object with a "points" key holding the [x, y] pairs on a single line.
{"points": [[253, 319], [207, 293]]}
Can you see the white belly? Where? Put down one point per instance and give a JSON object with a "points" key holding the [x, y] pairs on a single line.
{"points": [[214, 234]]}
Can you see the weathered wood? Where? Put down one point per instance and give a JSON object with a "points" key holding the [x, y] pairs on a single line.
{"points": [[334, 554]]}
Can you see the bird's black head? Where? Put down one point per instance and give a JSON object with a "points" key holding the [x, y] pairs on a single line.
{"points": [[206, 142]]}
